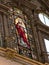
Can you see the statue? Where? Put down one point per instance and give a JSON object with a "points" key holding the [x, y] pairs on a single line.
{"points": [[22, 32]]}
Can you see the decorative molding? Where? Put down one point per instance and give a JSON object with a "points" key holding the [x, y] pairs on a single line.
{"points": [[25, 3], [13, 55]]}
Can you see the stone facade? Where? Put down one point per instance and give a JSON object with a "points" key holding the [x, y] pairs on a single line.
{"points": [[28, 11]]}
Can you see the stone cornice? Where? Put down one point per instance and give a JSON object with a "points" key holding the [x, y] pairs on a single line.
{"points": [[25, 3], [4, 6], [44, 4], [12, 54]]}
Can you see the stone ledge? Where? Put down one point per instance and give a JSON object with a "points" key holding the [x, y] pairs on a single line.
{"points": [[12, 54]]}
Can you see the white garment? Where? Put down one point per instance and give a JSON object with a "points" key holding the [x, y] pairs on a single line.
{"points": [[23, 43]]}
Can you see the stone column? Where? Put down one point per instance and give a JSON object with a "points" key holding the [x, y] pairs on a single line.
{"points": [[36, 41], [5, 25], [1, 30], [43, 54], [5, 30], [35, 34], [32, 18]]}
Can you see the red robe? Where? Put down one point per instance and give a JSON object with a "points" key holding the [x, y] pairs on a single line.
{"points": [[21, 33]]}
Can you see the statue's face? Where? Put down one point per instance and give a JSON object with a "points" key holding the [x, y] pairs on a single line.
{"points": [[18, 20]]}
